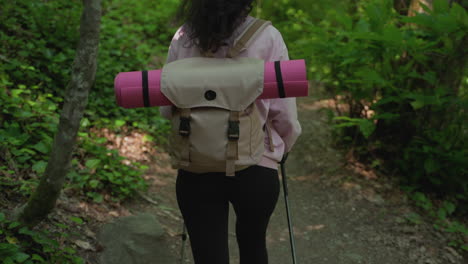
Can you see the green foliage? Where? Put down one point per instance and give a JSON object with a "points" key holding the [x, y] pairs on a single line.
{"points": [[37, 51], [28, 122], [440, 214], [104, 171], [403, 80], [23, 245], [37, 54], [38, 42], [366, 126], [133, 37]]}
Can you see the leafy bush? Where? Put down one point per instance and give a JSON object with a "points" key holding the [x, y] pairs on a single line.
{"points": [[28, 122], [37, 51], [135, 35], [440, 214], [37, 54], [404, 82], [38, 47], [23, 245], [97, 169]]}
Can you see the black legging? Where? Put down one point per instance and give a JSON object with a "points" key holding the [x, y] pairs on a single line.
{"points": [[204, 202]]}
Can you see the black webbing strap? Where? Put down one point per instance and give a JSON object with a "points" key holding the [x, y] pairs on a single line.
{"points": [[145, 88], [279, 80], [233, 130]]}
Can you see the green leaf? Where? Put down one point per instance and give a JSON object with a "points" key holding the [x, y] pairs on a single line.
{"points": [[431, 166], [370, 75], [16, 92], [8, 260], [386, 116], [13, 224], [93, 183], [148, 138], [85, 122], [28, 151], [39, 166], [21, 257], [449, 207], [2, 217], [441, 6], [422, 200], [414, 218], [76, 220], [392, 34], [417, 104], [41, 147], [119, 123], [92, 163], [8, 247], [69, 250], [37, 257], [101, 140], [419, 196], [465, 247], [63, 226], [25, 230], [441, 213], [367, 127], [420, 19], [98, 198]]}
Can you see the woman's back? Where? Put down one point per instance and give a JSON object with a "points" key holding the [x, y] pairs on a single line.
{"points": [[203, 198], [269, 45]]}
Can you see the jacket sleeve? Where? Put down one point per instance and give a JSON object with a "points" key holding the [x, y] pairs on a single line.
{"points": [[283, 111], [166, 111]]}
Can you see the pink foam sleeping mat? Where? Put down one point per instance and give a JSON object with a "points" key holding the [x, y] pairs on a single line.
{"points": [[143, 89]]}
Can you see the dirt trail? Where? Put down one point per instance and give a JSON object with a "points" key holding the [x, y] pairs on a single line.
{"points": [[340, 216]]}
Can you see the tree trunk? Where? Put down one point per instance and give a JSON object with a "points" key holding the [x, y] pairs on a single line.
{"points": [[43, 200]]}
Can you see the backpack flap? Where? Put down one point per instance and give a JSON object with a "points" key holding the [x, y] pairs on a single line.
{"points": [[231, 84]]}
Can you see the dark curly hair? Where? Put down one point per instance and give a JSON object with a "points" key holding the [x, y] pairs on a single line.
{"points": [[210, 22]]}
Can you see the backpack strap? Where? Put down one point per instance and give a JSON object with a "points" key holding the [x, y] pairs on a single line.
{"points": [[247, 36], [184, 131], [232, 152]]}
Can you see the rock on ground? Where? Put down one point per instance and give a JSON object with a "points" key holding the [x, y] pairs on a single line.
{"points": [[134, 239]]}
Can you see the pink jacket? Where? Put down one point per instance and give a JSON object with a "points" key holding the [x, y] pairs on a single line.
{"points": [[281, 113]]}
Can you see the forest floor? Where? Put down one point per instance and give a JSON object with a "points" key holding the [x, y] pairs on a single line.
{"points": [[342, 212]]}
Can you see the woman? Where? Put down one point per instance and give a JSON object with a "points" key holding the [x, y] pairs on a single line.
{"points": [[211, 26]]}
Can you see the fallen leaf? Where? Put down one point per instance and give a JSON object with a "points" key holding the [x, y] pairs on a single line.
{"points": [[84, 245], [114, 213], [314, 227]]}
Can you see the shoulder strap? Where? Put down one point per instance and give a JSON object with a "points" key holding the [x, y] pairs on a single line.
{"points": [[247, 36]]}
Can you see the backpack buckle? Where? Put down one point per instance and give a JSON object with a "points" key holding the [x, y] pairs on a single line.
{"points": [[184, 127], [233, 130]]}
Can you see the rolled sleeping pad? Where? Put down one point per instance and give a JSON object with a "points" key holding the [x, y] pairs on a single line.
{"points": [[282, 79]]}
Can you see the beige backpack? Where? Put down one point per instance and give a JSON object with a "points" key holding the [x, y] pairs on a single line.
{"points": [[215, 123]]}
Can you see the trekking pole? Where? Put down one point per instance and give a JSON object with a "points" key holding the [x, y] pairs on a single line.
{"points": [[285, 191], [184, 238]]}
